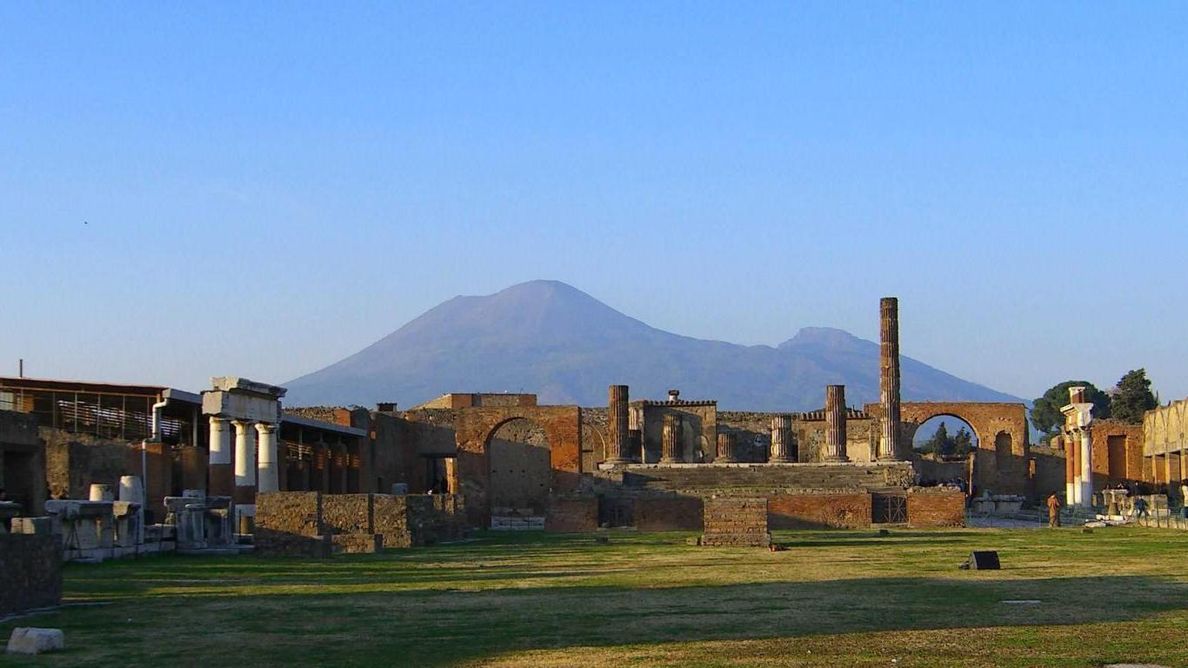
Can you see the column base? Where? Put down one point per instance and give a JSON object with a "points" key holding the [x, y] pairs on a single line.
{"points": [[888, 458], [670, 460], [619, 461], [836, 460]]}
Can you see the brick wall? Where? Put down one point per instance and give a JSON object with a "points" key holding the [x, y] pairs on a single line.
{"points": [[735, 521], [31, 567], [678, 513], [820, 510], [936, 507], [572, 515]]}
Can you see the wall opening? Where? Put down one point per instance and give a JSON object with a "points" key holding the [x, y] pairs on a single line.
{"points": [[520, 469]]}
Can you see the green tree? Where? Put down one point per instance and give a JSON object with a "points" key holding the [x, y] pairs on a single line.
{"points": [[1132, 397], [1045, 411], [963, 442], [939, 442]]}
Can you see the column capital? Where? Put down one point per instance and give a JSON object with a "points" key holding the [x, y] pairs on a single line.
{"points": [[242, 425], [265, 428]]}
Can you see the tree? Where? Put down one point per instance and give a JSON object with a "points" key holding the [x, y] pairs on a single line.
{"points": [[1045, 411], [1132, 397], [939, 442], [962, 442]]}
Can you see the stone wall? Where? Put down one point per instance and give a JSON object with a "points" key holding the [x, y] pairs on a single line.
{"points": [[735, 522], [347, 513], [820, 510], [417, 519], [31, 572], [862, 436], [572, 514], [707, 479], [289, 524], [672, 513], [935, 507]]}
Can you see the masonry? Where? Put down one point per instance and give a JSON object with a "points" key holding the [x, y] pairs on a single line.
{"points": [[31, 565], [313, 524]]}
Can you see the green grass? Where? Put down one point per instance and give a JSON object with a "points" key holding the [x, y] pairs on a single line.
{"points": [[832, 598]]}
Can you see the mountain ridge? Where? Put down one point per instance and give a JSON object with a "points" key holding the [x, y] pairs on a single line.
{"points": [[557, 341]]}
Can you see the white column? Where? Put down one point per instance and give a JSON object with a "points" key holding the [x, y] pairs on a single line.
{"points": [[245, 453], [1086, 468], [220, 440], [269, 480]]}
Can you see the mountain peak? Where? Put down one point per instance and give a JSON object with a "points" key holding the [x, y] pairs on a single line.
{"points": [[829, 338], [549, 337]]}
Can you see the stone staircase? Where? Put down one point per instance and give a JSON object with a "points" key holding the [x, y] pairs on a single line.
{"points": [[684, 477]]}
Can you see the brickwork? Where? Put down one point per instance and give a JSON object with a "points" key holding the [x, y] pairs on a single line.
{"points": [[475, 427], [31, 567], [936, 507], [572, 515], [735, 522], [820, 510], [673, 513], [1001, 459]]}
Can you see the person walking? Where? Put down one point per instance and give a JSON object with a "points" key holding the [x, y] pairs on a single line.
{"points": [[1140, 508], [1054, 511]]}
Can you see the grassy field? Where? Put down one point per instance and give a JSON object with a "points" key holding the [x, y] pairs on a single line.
{"points": [[831, 599]]}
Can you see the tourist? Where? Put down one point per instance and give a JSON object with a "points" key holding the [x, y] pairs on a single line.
{"points": [[1140, 508], [1054, 511]]}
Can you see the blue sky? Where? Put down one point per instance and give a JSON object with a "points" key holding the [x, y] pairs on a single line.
{"points": [[269, 187]]}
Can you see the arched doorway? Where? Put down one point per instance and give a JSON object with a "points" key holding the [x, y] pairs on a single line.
{"points": [[519, 468], [1002, 450], [944, 446]]}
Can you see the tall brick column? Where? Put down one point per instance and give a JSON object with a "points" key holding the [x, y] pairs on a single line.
{"points": [[835, 423], [726, 448], [781, 439], [670, 439], [620, 452], [889, 378]]}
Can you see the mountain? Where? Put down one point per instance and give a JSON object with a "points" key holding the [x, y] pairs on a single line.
{"points": [[554, 340]]}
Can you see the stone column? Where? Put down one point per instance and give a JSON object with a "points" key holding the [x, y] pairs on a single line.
{"points": [[269, 461], [1074, 450], [635, 447], [1069, 470], [1086, 467], [781, 439], [835, 423], [245, 462], [670, 439], [889, 377], [619, 444], [726, 447], [220, 465]]}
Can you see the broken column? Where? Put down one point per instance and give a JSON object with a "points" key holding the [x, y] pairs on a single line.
{"points": [[835, 423], [889, 377], [268, 472], [620, 452], [670, 439], [781, 439], [726, 448], [635, 444], [222, 471]]}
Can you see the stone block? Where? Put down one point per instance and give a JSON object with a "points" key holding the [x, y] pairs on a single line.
{"points": [[33, 525], [33, 640]]}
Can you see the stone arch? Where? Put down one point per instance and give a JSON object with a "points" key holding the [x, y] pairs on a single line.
{"points": [[518, 468], [1005, 474], [473, 429]]}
